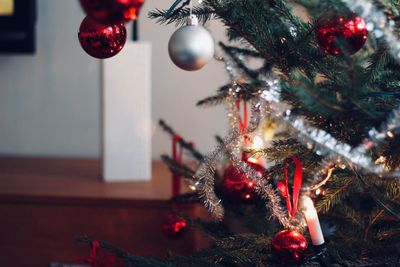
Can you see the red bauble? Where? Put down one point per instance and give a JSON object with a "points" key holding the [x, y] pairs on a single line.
{"points": [[237, 186], [348, 32], [112, 11], [289, 245], [173, 225], [101, 41]]}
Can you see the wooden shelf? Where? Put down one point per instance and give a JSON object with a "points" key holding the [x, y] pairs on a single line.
{"points": [[46, 202], [76, 178]]}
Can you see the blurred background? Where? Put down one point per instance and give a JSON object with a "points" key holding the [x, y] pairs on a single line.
{"points": [[50, 102]]}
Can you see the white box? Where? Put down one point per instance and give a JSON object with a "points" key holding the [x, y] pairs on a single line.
{"points": [[126, 114]]}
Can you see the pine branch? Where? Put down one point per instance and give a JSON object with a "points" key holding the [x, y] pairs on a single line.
{"points": [[212, 100], [203, 13], [131, 259], [186, 198], [233, 53], [336, 192], [186, 145], [178, 168], [241, 51], [373, 220]]}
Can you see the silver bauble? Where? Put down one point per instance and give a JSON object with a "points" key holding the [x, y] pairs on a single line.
{"points": [[191, 46]]}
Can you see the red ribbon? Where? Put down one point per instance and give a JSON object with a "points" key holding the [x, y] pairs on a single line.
{"points": [[243, 122], [177, 155], [91, 259], [283, 186]]}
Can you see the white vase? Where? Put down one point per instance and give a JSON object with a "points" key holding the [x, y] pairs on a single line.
{"points": [[126, 114]]}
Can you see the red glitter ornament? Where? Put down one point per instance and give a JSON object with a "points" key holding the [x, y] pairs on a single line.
{"points": [[101, 41], [289, 245], [173, 225], [237, 186], [341, 32], [112, 11]]}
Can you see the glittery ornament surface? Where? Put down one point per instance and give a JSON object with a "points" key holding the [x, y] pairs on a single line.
{"points": [[289, 245], [173, 225], [237, 186], [112, 11], [382, 27], [101, 41], [341, 32]]}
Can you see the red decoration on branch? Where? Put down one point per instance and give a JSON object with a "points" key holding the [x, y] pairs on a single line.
{"points": [[341, 32], [101, 259], [101, 41], [237, 186], [289, 244], [244, 121], [112, 11], [173, 225], [283, 186]]}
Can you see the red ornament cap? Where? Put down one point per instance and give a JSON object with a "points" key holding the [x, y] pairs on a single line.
{"points": [[112, 11], [290, 245], [341, 32], [100, 40]]}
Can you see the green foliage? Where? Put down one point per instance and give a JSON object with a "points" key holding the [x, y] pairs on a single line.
{"points": [[344, 95]]}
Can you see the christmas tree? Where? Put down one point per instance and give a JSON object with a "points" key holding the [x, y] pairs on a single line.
{"points": [[324, 76]]}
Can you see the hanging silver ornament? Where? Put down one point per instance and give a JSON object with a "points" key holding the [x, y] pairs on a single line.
{"points": [[191, 47]]}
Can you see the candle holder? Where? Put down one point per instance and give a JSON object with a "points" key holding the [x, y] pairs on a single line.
{"points": [[318, 254]]}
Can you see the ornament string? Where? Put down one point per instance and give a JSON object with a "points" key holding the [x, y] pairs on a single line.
{"points": [[283, 186], [244, 121], [177, 155]]}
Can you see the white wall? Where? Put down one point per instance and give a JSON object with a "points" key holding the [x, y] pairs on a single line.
{"points": [[50, 102]]}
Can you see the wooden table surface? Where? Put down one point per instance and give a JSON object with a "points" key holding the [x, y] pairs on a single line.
{"points": [[46, 202], [76, 178]]}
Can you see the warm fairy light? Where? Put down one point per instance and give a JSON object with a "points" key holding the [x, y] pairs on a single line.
{"points": [[258, 143], [380, 160], [318, 191], [247, 196], [253, 160], [390, 134], [192, 187]]}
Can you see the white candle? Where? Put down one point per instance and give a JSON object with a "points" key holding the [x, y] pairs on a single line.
{"points": [[314, 227], [257, 144]]}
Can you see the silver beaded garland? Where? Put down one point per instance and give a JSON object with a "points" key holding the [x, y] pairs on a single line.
{"points": [[191, 47]]}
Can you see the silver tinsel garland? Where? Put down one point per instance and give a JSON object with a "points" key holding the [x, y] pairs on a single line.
{"points": [[233, 145], [325, 144], [335, 153]]}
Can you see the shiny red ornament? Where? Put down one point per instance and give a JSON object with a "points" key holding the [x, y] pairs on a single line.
{"points": [[173, 225], [289, 245], [101, 41], [237, 186], [112, 11], [339, 31]]}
